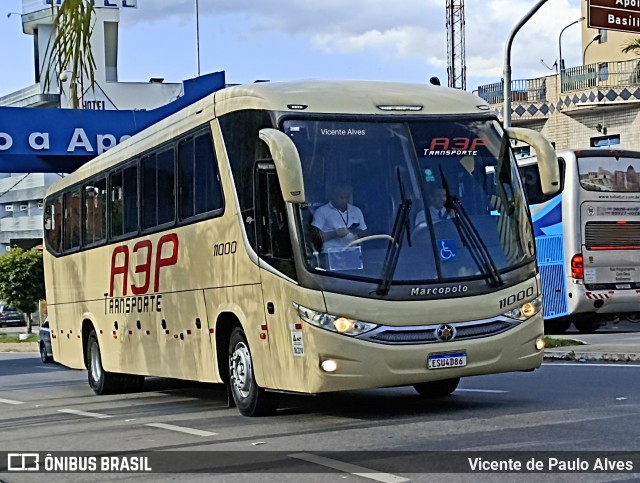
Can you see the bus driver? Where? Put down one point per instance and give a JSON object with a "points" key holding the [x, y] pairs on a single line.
{"points": [[338, 222]]}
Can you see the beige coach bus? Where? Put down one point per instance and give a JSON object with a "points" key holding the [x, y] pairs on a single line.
{"points": [[283, 238]]}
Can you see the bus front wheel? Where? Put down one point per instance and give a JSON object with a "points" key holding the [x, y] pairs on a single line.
{"points": [[435, 389], [250, 398]]}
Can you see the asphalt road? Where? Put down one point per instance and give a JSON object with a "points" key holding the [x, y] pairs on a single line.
{"points": [[560, 407]]}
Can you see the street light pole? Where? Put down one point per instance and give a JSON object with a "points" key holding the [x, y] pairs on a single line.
{"points": [[584, 53], [198, 36], [560, 60], [506, 113]]}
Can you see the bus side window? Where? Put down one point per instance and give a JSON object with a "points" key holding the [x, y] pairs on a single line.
{"points": [[94, 228], [72, 219], [53, 224], [198, 178]]}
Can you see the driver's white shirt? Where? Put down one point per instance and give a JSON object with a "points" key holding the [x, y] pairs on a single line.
{"points": [[329, 218]]}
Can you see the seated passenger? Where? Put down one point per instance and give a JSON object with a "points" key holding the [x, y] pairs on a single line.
{"points": [[436, 198]]}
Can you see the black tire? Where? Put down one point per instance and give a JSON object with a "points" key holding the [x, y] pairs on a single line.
{"points": [[250, 398], [586, 326], [101, 381], [556, 326], [43, 354], [436, 389]]}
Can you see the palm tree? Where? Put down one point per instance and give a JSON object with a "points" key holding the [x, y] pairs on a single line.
{"points": [[71, 48], [632, 46]]}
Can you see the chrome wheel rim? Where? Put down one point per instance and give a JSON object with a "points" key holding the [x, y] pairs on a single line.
{"points": [[96, 364], [240, 370]]}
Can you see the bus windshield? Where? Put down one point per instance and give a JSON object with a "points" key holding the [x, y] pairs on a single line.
{"points": [[609, 173], [407, 202]]}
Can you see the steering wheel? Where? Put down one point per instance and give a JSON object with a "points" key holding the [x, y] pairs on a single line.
{"points": [[358, 241], [419, 229]]}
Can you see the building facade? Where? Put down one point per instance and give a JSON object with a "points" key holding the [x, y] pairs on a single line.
{"points": [[596, 104], [21, 194]]}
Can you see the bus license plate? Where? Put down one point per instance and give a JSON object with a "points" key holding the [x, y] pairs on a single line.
{"points": [[444, 361]]}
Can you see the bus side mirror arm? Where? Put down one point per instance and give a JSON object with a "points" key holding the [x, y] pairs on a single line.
{"points": [[287, 161], [547, 159]]}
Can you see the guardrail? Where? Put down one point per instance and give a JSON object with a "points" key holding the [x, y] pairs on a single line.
{"points": [[601, 74], [523, 90]]}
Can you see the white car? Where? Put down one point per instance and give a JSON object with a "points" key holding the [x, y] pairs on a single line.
{"points": [[44, 342]]}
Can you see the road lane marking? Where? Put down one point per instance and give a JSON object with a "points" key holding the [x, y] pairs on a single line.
{"points": [[494, 391], [349, 468], [181, 429], [10, 401], [84, 413], [587, 364]]}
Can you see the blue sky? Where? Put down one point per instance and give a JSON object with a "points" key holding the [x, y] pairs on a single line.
{"points": [[402, 40]]}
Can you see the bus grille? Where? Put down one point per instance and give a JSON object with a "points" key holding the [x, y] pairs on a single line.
{"points": [[612, 236], [427, 334]]}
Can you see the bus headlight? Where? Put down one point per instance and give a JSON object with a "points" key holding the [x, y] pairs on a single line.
{"points": [[334, 323], [527, 310]]}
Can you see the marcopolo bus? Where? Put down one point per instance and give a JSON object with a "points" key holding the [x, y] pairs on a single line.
{"points": [[278, 237], [588, 237]]}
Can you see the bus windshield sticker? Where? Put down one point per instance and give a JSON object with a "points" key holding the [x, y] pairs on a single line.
{"points": [[459, 146], [345, 258], [447, 249], [298, 344]]}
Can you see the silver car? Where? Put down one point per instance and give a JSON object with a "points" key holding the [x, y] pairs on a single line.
{"points": [[44, 342], [10, 316]]}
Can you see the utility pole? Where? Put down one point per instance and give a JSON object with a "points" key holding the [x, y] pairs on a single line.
{"points": [[456, 66]]}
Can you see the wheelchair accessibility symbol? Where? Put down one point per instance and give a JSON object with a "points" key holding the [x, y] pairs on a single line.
{"points": [[447, 249]]}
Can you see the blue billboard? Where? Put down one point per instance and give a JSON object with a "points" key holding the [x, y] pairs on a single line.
{"points": [[41, 140]]}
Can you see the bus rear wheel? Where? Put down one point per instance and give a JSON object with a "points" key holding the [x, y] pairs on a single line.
{"points": [[101, 381], [586, 326], [556, 326], [250, 398], [435, 389]]}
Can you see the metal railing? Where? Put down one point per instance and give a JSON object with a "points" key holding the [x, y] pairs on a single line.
{"points": [[601, 74], [522, 90]]}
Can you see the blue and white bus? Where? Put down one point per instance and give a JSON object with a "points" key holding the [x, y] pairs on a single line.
{"points": [[588, 238]]}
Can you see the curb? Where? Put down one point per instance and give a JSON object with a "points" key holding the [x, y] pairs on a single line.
{"points": [[583, 356]]}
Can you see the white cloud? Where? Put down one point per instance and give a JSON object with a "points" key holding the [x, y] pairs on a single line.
{"points": [[407, 30]]}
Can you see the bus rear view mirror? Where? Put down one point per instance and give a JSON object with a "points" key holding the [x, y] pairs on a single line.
{"points": [[547, 159], [287, 161]]}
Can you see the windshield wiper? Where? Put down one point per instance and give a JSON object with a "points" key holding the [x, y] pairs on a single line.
{"points": [[471, 237], [400, 225]]}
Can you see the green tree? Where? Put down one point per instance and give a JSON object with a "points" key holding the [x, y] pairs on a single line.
{"points": [[22, 280], [632, 46], [71, 47]]}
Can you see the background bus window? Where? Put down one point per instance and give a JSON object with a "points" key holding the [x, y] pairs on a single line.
{"points": [[95, 211], [72, 219], [53, 224], [530, 175], [124, 201], [200, 190], [158, 175]]}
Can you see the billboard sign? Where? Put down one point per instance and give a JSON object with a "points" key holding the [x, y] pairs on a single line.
{"points": [[34, 140], [622, 15]]}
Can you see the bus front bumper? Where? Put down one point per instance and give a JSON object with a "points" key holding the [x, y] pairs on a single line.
{"points": [[603, 301], [361, 364]]}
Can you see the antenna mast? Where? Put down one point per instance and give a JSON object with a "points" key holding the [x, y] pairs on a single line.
{"points": [[456, 66]]}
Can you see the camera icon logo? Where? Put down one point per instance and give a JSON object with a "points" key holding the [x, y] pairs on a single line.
{"points": [[23, 462]]}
